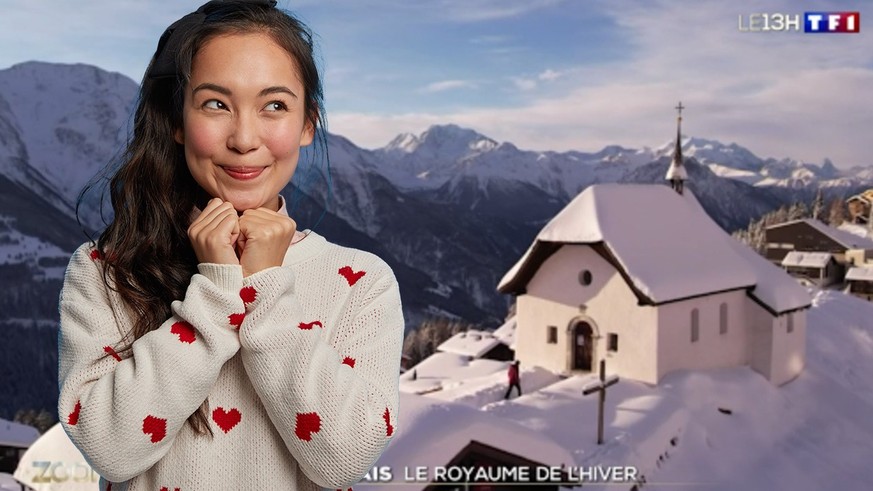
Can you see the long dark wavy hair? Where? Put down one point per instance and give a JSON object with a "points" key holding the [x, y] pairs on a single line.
{"points": [[147, 255]]}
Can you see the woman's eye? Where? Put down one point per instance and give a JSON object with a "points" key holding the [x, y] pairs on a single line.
{"points": [[276, 106], [214, 104]]}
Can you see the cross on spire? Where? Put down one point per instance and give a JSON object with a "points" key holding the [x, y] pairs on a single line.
{"points": [[679, 108]]}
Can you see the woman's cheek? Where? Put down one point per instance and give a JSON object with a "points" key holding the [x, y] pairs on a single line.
{"points": [[204, 139]]}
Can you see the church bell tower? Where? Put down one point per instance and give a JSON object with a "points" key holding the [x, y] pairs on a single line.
{"points": [[676, 174]]}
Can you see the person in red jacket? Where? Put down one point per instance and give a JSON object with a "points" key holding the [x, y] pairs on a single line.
{"points": [[513, 379]]}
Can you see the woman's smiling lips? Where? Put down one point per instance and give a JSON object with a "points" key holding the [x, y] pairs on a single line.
{"points": [[243, 173]]}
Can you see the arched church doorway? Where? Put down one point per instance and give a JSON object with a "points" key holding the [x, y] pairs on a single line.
{"points": [[583, 346]]}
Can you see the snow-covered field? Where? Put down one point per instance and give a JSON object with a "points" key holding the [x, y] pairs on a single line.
{"points": [[813, 433], [41, 256]]}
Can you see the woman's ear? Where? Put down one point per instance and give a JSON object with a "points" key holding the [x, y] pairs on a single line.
{"points": [[309, 130], [179, 136]]}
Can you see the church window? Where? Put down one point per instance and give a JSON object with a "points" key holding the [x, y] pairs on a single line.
{"points": [[612, 342], [695, 325], [585, 277], [553, 335], [790, 323], [723, 318]]}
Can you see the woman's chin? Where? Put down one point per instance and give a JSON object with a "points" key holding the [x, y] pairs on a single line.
{"points": [[243, 203]]}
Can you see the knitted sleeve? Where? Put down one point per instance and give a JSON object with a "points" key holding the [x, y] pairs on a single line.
{"points": [[123, 413], [334, 398]]}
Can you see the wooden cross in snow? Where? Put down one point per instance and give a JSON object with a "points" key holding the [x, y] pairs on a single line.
{"points": [[601, 387]]}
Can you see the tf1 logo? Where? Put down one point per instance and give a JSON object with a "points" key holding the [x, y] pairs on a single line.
{"points": [[813, 22], [831, 22]]}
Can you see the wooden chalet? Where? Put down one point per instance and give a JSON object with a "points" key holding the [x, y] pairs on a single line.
{"points": [[810, 235], [478, 344], [816, 268], [859, 282]]}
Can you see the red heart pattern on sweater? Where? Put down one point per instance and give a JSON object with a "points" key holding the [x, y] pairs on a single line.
{"points": [[95, 255], [307, 326], [307, 424], [108, 349], [226, 420], [349, 361], [236, 320], [73, 418], [164, 488], [185, 331], [389, 430], [351, 276], [156, 427], [248, 294]]}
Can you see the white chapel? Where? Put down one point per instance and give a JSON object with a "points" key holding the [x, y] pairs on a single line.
{"points": [[640, 276]]}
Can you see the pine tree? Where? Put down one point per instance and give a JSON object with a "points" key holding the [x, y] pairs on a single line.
{"points": [[798, 211], [837, 212], [818, 205], [424, 340]]}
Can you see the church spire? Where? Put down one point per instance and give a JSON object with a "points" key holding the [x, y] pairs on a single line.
{"points": [[676, 173]]}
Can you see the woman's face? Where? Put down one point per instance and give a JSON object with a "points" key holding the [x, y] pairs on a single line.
{"points": [[243, 120]]}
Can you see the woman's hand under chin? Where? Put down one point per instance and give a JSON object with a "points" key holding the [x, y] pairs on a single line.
{"points": [[264, 238], [215, 232]]}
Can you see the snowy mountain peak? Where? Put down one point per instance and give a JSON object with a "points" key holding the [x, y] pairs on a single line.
{"points": [[404, 142], [714, 152], [829, 170], [47, 76], [453, 139], [442, 140]]}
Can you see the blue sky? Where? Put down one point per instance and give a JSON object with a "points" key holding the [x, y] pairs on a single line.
{"points": [[543, 74]]}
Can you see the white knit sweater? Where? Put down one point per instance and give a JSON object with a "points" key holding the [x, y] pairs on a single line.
{"points": [[299, 363]]}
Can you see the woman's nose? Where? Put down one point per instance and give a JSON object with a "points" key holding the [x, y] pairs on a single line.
{"points": [[245, 134]]}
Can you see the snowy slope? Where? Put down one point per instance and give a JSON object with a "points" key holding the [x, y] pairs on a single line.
{"points": [[813, 433], [72, 118]]}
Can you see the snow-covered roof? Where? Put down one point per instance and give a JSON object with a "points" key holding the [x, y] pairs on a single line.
{"points": [[17, 435], [473, 343], [807, 259], [842, 237], [855, 229], [441, 368], [866, 196], [774, 288], [860, 274], [664, 244], [506, 332], [430, 433]]}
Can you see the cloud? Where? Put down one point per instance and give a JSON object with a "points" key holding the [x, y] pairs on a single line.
{"points": [[779, 94], [485, 10], [490, 39], [522, 83], [549, 75], [445, 85]]}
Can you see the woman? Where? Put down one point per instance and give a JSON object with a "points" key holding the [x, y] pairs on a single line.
{"points": [[205, 343]]}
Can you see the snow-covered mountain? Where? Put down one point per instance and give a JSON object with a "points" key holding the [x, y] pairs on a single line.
{"points": [[71, 119], [736, 162], [449, 209]]}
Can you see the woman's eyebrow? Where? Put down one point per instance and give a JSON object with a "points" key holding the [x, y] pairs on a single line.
{"points": [[277, 89], [214, 87], [225, 91]]}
